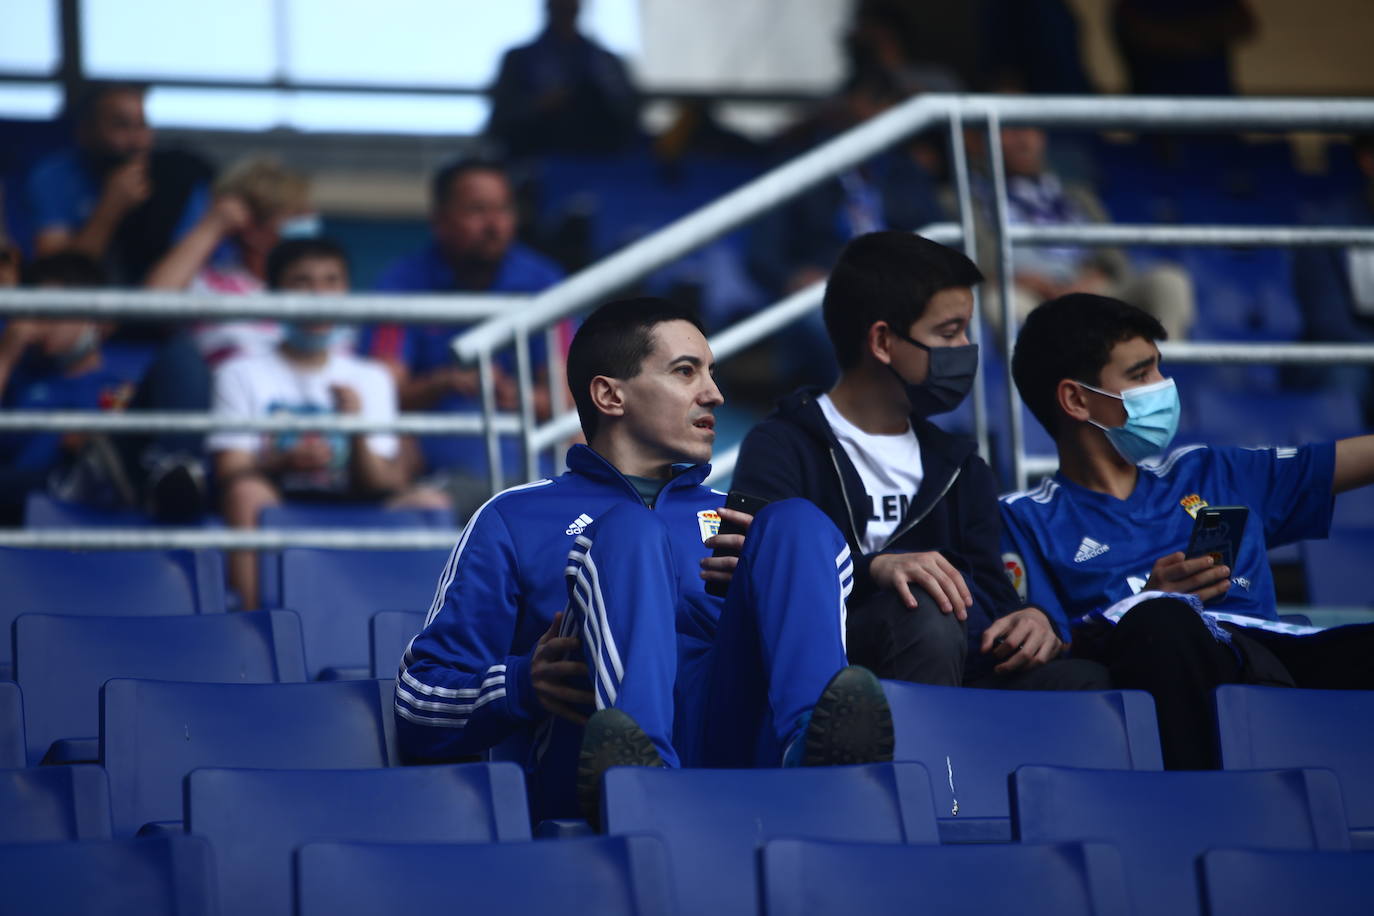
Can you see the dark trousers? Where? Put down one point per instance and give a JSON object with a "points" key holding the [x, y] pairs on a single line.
{"points": [[1163, 647]]}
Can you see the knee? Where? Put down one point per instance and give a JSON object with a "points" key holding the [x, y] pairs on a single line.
{"points": [[941, 634], [1164, 624], [245, 497]]}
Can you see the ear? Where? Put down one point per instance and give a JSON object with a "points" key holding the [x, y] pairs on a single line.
{"points": [[879, 342], [608, 396], [1072, 399]]}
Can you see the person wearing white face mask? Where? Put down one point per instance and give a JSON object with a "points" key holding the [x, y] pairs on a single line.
{"points": [[1100, 544]]}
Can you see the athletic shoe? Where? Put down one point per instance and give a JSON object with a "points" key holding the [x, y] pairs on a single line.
{"points": [[850, 723], [611, 739]]}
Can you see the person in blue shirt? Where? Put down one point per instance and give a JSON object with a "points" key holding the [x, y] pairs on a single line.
{"points": [[599, 576], [1100, 544], [473, 221]]}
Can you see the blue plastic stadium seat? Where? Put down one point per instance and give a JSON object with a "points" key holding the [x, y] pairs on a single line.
{"points": [[1336, 568], [352, 515], [152, 733], [971, 740], [1161, 822], [713, 821], [255, 819], [802, 877], [60, 662], [54, 803], [169, 876], [1269, 727], [610, 876], [1283, 418], [11, 725], [336, 592], [42, 511], [1249, 882], [391, 633]]}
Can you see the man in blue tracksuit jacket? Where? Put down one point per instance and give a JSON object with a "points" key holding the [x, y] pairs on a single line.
{"points": [[588, 591], [918, 506]]}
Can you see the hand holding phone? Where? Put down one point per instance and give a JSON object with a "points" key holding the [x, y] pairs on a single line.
{"points": [[1217, 532], [740, 502]]}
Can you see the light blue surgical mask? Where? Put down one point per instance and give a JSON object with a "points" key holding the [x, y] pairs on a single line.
{"points": [[304, 226], [312, 340], [1151, 420]]}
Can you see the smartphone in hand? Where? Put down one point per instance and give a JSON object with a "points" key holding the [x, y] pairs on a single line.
{"points": [[741, 502], [1217, 532]]}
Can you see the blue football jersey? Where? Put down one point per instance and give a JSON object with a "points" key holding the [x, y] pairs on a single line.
{"points": [[1072, 551]]}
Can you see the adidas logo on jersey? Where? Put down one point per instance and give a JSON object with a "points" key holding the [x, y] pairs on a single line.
{"points": [[1087, 549], [579, 524]]}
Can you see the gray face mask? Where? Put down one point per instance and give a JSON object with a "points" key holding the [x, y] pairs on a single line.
{"points": [[948, 380], [88, 340]]}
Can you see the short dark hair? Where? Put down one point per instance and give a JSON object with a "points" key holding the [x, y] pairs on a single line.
{"points": [[70, 269], [1072, 337], [89, 94], [441, 186], [887, 276], [290, 251], [614, 341]]}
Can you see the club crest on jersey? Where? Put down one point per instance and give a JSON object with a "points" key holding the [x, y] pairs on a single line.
{"points": [[1016, 572], [708, 520], [578, 525], [1192, 503]]}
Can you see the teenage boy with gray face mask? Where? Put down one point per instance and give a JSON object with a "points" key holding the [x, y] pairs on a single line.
{"points": [[917, 505], [1100, 545]]}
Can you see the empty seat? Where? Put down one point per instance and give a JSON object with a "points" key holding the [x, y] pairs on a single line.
{"points": [[42, 511], [351, 515], [255, 819], [1268, 727], [611, 876], [1161, 822], [971, 740], [60, 662], [139, 877], [391, 633], [152, 733], [11, 725], [54, 803], [714, 821], [1249, 882], [336, 592], [802, 877], [1333, 568]]}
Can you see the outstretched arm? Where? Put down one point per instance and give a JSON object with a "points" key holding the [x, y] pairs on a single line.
{"points": [[1354, 464]]}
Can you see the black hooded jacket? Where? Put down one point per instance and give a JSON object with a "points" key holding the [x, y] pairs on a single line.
{"points": [[794, 452]]}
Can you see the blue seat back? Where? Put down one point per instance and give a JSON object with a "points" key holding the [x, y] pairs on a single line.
{"points": [[610, 876], [1333, 567], [11, 725], [1250, 882], [391, 633], [166, 876], [60, 662], [971, 740], [53, 804], [42, 511], [802, 877], [255, 819], [1269, 727], [336, 592], [152, 733], [1161, 822], [714, 821], [352, 515]]}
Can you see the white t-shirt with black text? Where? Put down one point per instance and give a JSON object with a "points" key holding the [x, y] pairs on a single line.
{"points": [[890, 468]]}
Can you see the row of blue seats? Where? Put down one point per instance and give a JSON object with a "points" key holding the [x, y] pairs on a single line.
{"points": [[152, 733], [720, 841]]}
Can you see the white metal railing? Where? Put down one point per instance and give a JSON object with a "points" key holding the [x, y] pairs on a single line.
{"points": [[511, 320]]}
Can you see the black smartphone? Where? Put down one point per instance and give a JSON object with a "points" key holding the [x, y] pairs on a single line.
{"points": [[742, 502], [1217, 532]]}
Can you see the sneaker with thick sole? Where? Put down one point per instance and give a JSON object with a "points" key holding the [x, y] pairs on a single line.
{"points": [[611, 739], [850, 723]]}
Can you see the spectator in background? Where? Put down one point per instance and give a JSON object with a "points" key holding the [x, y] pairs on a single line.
{"points": [[1335, 287], [10, 263], [257, 203], [1181, 47], [881, 38], [303, 376], [562, 93], [473, 221], [114, 197], [56, 364], [1033, 44], [1037, 196]]}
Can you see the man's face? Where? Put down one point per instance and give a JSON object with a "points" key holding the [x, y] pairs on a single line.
{"points": [[943, 324], [1133, 363], [477, 221], [1023, 150], [315, 275], [670, 405], [117, 127]]}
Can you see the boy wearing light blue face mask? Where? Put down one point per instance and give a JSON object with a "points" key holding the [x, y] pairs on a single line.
{"points": [[1099, 545], [917, 504]]}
